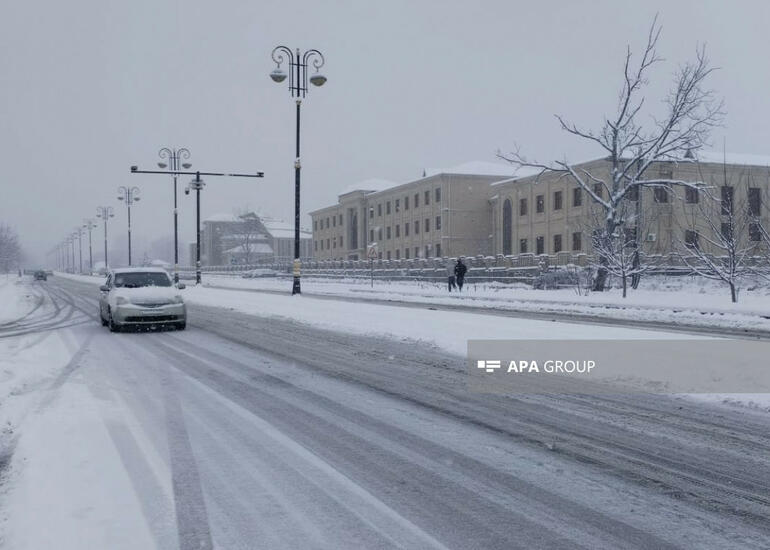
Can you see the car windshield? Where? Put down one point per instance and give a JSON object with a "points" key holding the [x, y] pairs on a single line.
{"points": [[139, 279]]}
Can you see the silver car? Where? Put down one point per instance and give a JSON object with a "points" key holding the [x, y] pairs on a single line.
{"points": [[141, 296]]}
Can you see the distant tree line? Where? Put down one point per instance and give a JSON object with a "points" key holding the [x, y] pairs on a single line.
{"points": [[10, 249]]}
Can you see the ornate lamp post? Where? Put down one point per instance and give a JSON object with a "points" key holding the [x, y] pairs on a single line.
{"points": [[197, 185], [79, 234], [129, 196], [174, 156], [105, 212], [298, 64]]}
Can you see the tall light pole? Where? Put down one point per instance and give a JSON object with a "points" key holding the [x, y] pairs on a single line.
{"points": [[79, 233], [197, 185], [129, 195], [105, 212], [174, 156], [298, 64], [90, 224]]}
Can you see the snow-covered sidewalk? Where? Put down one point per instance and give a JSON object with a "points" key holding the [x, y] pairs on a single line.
{"points": [[683, 300]]}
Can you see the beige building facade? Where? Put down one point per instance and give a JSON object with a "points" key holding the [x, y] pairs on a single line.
{"points": [[551, 213], [446, 213]]}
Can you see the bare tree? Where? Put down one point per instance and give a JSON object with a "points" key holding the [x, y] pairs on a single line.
{"points": [[248, 236], [632, 145], [10, 249], [717, 244]]}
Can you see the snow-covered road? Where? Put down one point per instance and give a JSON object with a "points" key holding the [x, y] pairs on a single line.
{"points": [[256, 431]]}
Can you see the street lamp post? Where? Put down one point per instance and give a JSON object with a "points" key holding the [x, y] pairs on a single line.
{"points": [[298, 64], [174, 156], [89, 225], [197, 185], [105, 212], [129, 196], [79, 233]]}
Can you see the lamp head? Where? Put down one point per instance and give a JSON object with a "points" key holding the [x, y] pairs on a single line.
{"points": [[186, 165], [318, 79], [278, 75], [162, 165]]}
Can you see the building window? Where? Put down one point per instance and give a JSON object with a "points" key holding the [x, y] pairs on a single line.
{"points": [[398, 231], [406, 250], [406, 202], [379, 255], [577, 241], [387, 232], [340, 219], [755, 201], [398, 253], [522, 207], [727, 200], [427, 202], [599, 190], [557, 199], [416, 201], [371, 235], [633, 193], [327, 223], [427, 251], [660, 195], [315, 225], [540, 245], [577, 196], [438, 250], [398, 204], [387, 207], [387, 255], [334, 242], [315, 246], [540, 204], [379, 209], [416, 251], [438, 195], [328, 244], [427, 225], [334, 221], [755, 233], [340, 241], [507, 227], [416, 227], [379, 234], [371, 213], [438, 223], [556, 243], [322, 244], [406, 229], [522, 246], [690, 239], [691, 195]]}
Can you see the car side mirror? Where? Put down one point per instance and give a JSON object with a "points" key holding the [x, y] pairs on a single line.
{"points": [[104, 288], [181, 286]]}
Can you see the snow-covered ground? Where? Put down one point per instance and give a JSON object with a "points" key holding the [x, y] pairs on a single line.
{"points": [[688, 300]]}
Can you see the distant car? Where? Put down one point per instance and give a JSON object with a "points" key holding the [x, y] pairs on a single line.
{"points": [[141, 296], [40, 275]]}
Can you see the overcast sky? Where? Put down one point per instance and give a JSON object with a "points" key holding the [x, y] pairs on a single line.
{"points": [[92, 87]]}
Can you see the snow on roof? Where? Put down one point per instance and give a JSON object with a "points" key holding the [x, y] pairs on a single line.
{"points": [[254, 248], [371, 185], [280, 229], [222, 218], [732, 158], [475, 168]]}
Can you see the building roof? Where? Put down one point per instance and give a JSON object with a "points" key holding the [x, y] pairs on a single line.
{"points": [[280, 229], [222, 218], [475, 168], [369, 186]]}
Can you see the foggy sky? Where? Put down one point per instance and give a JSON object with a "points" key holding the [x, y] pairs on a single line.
{"points": [[92, 87]]}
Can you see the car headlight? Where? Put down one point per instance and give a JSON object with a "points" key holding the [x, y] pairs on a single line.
{"points": [[122, 300], [177, 299]]}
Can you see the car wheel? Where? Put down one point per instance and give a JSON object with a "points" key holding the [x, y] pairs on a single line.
{"points": [[181, 326], [102, 319], [114, 327]]}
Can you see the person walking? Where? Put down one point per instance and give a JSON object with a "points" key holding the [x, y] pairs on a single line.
{"points": [[460, 269], [450, 273]]}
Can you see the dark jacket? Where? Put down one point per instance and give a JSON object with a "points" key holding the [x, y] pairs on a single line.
{"points": [[460, 270]]}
